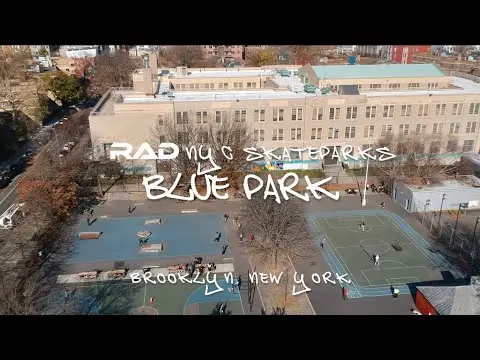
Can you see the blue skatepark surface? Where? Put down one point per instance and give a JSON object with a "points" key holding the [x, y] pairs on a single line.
{"points": [[181, 235]]}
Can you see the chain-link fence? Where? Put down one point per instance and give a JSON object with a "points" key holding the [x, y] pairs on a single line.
{"points": [[447, 228]]}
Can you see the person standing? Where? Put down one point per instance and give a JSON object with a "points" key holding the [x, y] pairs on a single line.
{"points": [[322, 243], [344, 293], [395, 293], [377, 259], [362, 226]]}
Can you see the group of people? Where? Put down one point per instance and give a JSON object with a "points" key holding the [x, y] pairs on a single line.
{"points": [[239, 227]]}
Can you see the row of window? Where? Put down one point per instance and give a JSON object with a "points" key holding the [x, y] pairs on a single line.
{"points": [[397, 86], [351, 113], [434, 147], [368, 131], [211, 86]]}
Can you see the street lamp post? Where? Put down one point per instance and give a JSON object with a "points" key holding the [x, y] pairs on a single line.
{"points": [[444, 196], [454, 232], [364, 198], [472, 249], [427, 203]]}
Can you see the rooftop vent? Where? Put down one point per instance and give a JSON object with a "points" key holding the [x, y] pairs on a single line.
{"points": [[325, 90], [284, 73], [310, 89]]}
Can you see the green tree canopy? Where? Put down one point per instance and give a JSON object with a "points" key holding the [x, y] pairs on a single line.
{"points": [[64, 87]]}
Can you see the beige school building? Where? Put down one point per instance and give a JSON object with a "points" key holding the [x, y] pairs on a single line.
{"points": [[296, 107]]}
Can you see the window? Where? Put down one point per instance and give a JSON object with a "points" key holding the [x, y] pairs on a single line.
{"points": [[201, 117], [388, 111], [423, 110], [350, 132], [220, 116], [413, 85], [278, 114], [471, 127], [434, 147], [351, 112], [259, 135], [406, 110], [106, 149], [432, 85], [202, 137], [182, 117], [316, 134], [192, 86], [160, 119], [332, 133], [452, 146], [259, 115], [182, 137], [370, 112], [334, 113], [420, 129], [161, 138], [394, 86], [457, 109], [297, 114], [240, 115], [296, 134], [206, 86], [249, 85], [277, 135], [438, 129], [368, 131], [197, 86], [403, 129], [386, 129], [375, 86], [440, 109], [221, 136], [474, 108], [454, 128], [467, 146], [238, 85], [317, 114], [183, 86], [367, 146]]}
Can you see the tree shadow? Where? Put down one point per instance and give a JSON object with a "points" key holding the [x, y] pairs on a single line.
{"points": [[221, 309]]}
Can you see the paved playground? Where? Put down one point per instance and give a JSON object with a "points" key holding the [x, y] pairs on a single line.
{"points": [[175, 236], [405, 258], [122, 298]]}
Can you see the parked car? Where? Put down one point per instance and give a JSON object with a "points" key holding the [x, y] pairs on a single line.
{"points": [[4, 179]]}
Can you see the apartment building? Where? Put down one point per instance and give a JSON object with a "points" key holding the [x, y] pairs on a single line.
{"points": [[369, 50], [403, 54], [225, 53], [311, 106]]}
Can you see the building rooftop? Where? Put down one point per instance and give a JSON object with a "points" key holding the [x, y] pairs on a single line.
{"points": [[377, 71], [224, 74], [460, 86], [463, 182], [473, 157], [453, 300]]}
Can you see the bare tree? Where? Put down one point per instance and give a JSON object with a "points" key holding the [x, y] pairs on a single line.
{"points": [[183, 55], [462, 51], [418, 158], [196, 128], [279, 231], [261, 57], [112, 70]]}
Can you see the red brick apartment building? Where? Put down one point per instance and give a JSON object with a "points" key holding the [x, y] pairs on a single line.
{"points": [[403, 54]]}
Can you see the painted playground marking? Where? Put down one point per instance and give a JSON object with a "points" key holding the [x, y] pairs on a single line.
{"points": [[104, 217], [188, 211], [368, 248], [335, 261], [402, 282], [144, 310], [398, 268], [138, 204]]}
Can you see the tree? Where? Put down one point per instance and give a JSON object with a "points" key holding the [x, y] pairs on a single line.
{"points": [[418, 159], [84, 67], [43, 51], [258, 58], [183, 55], [462, 51], [112, 70], [303, 54], [193, 129], [280, 231], [64, 87]]}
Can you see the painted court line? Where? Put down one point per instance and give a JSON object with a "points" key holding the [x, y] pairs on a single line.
{"points": [[403, 282], [189, 211], [398, 268], [104, 217], [407, 232]]}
